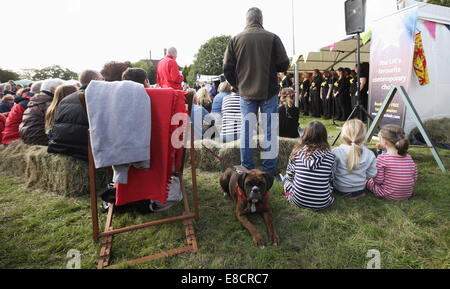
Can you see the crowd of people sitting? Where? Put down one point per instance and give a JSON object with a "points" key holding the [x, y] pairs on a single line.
{"points": [[49, 113]]}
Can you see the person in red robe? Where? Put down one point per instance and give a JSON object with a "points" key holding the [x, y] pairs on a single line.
{"points": [[168, 74]]}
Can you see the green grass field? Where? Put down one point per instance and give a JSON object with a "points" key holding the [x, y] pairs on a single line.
{"points": [[38, 228]]}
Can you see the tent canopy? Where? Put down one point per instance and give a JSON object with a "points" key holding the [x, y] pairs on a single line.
{"points": [[24, 82], [339, 54], [208, 78]]}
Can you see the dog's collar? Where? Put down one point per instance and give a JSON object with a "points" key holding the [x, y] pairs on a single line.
{"points": [[244, 196]]}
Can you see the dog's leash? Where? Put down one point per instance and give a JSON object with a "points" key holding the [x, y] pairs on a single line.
{"points": [[221, 159]]}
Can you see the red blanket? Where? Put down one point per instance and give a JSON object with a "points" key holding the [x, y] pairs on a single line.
{"points": [[153, 184]]}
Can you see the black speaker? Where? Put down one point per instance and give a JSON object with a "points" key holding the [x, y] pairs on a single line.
{"points": [[355, 16]]}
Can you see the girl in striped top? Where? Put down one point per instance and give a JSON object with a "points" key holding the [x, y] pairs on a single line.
{"points": [[309, 174], [231, 117], [397, 172]]}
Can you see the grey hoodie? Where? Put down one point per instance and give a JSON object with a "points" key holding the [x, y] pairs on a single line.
{"points": [[356, 181]]}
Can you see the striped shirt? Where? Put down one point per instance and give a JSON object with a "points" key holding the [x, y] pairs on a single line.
{"points": [[308, 182], [395, 178], [231, 115]]}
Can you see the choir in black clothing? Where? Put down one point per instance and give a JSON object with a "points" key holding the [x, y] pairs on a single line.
{"points": [[331, 93]]}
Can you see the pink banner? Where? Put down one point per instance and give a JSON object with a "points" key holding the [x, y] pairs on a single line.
{"points": [[431, 27]]}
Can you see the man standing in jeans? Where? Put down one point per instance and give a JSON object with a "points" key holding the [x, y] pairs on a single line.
{"points": [[252, 60]]}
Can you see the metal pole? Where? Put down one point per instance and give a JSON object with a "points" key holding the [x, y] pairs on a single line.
{"points": [[293, 55], [293, 29], [297, 87], [358, 71]]}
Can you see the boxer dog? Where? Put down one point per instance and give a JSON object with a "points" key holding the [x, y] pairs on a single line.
{"points": [[250, 192]]}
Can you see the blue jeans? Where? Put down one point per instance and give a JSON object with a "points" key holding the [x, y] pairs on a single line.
{"points": [[229, 137], [249, 111]]}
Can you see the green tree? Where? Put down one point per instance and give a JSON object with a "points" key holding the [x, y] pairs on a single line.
{"points": [[185, 71], [438, 2], [6, 75], [147, 66], [54, 71], [209, 58]]}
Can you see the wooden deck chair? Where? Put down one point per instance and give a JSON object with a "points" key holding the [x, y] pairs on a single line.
{"points": [[186, 217]]}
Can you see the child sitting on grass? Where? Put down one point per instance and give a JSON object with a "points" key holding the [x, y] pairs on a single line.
{"points": [[397, 172], [355, 163], [309, 172]]}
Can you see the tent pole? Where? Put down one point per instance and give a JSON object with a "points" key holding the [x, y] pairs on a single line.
{"points": [[358, 73], [296, 79]]}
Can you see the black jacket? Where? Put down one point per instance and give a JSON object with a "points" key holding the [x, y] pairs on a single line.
{"points": [[288, 121], [32, 128], [69, 134]]}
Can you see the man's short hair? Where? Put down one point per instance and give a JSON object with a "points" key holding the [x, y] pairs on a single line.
{"points": [[88, 75], [254, 15], [135, 74], [112, 71]]}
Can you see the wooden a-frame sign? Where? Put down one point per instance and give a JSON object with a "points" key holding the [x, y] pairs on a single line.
{"points": [[414, 115]]}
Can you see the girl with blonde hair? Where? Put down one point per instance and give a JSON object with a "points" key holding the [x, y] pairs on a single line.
{"points": [[203, 99], [60, 92], [355, 163]]}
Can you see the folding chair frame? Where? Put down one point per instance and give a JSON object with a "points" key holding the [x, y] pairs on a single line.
{"points": [[109, 232]]}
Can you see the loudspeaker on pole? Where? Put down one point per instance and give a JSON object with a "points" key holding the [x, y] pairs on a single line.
{"points": [[355, 14]]}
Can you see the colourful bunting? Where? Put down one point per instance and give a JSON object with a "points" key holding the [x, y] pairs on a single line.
{"points": [[295, 59], [305, 56], [332, 46], [420, 62], [431, 27], [366, 36]]}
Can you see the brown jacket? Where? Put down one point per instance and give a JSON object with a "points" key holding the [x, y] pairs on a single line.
{"points": [[32, 128], [252, 60]]}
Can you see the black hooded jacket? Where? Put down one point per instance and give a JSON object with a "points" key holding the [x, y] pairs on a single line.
{"points": [[69, 134]]}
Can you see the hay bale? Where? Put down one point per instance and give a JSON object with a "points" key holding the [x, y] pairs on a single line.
{"points": [[65, 175], [230, 152], [286, 145], [438, 130], [51, 172], [12, 158]]}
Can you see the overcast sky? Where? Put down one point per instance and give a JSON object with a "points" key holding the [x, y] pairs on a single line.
{"points": [[81, 34]]}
